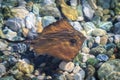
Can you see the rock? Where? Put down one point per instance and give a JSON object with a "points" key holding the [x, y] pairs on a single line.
{"points": [[102, 57], [116, 28], [76, 69], [85, 57], [25, 67], [25, 31], [29, 6], [19, 47], [9, 33], [116, 38], [104, 40], [62, 77], [88, 11], [99, 11], [39, 25], [49, 9], [98, 50], [46, 20], [88, 26], [110, 70], [35, 9], [105, 25], [106, 17], [2, 70], [80, 75], [90, 71], [98, 32], [2, 35], [118, 18], [92, 3], [68, 11], [67, 66], [73, 3], [80, 13], [30, 21], [96, 19], [3, 45], [32, 34], [7, 12], [8, 78], [106, 11], [117, 8], [18, 74], [48, 77], [15, 24], [22, 3], [90, 42], [69, 76], [85, 50], [18, 11], [97, 39], [41, 77], [47, 2], [11, 3], [77, 26], [92, 61], [104, 4], [12, 60]]}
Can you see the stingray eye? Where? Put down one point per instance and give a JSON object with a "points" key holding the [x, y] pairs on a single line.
{"points": [[73, 41]]}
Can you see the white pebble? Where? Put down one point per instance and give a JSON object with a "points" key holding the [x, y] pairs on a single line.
{"points": [[97, 39], [67, 66]]}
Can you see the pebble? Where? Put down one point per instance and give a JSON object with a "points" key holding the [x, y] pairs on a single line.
{"points": [[3, 45], [104, 4], [69, 12], [80, 75], [49, 9], [35, 9], [30, 21], [117, 38], [105, 25], [10, 34], [104, 40], [15, 24], [29, 6], [8, 78], [98, 32], [67, 66], [2, 70], [47, 20], [88, 27], [73, 3], [117, 28], [88, 11], [109, 70], [102, 57], [97, 39], [92, 61], [39, 24], [85, 50], [76, 69], [98, 50], [25, 67], [18, 11], [77, 26]]}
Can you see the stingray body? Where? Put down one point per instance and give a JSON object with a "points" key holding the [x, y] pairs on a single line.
{"points": [[59, 39]]}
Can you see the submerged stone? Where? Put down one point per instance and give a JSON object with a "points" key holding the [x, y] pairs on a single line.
{"points": [[110, 70]]}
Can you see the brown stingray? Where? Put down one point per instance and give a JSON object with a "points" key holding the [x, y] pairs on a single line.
{"points": [[60, 40]]}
